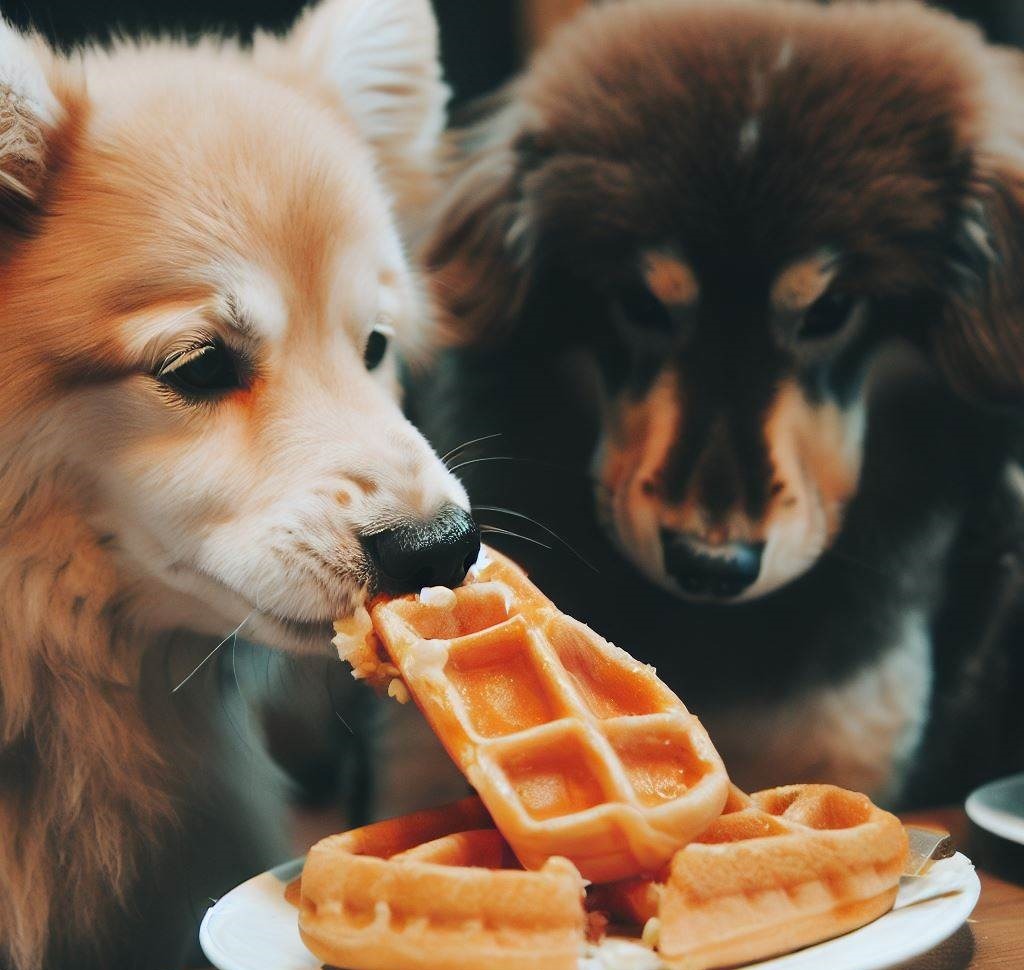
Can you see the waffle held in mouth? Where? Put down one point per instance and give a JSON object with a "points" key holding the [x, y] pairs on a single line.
{"points": [[586, 764], [576, 749]]}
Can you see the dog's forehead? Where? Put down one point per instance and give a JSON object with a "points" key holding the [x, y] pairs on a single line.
{"points": [[230, 180], [763, 132]]}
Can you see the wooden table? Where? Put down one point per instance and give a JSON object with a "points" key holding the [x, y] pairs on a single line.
{"points": [[993, 938]]}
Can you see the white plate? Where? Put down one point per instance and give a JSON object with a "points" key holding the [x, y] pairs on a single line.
{"points": [[253, 928], [998, 807]]}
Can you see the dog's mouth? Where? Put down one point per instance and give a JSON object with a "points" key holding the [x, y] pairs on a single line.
{"points": [[289, 633], [268, 626]]}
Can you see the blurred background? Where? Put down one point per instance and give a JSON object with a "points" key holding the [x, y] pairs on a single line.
{"points": [[483, 41]]}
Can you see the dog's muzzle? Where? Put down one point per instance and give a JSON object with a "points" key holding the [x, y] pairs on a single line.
{"points": [[710, 571]]}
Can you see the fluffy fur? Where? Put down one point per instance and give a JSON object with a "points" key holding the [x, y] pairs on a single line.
{"points": [[720, 268], [162, 202]]}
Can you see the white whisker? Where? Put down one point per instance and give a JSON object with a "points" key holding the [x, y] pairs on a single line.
{"points": [[540, 525], [466, 444], [474, 461], [233, 633], [487, 529]]}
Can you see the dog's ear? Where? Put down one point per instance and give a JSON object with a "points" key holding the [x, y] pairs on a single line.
{"points": [[479, 252], [28, 112], [380, 59], [979, 343]]}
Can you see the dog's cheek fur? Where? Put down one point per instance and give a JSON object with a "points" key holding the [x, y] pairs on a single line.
{"points": [[815, 452], [637, 437], [65, 610]]}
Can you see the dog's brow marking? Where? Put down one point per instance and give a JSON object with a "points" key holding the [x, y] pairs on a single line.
{"points": [[670, 279], [798, 286]]}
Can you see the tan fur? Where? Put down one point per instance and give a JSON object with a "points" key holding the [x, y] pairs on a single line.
{"points": [[798, 286], [156, 192], [670, 279]]}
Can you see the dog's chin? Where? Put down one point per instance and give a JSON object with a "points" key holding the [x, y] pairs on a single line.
{"points": [[291, 635], [786, 558], [209, 597]]}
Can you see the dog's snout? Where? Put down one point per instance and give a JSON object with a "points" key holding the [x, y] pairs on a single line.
{"points": [[437, 552], [720, 572]]}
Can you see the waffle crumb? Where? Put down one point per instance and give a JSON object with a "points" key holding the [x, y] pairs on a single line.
{"points": [[357, 645], [440, 596], [398, 691]]}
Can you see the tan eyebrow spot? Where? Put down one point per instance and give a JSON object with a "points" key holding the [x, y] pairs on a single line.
{"points": [[797, 287], [671, 280]]}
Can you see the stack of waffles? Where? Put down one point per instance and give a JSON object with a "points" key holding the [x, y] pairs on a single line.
{"points": [[597, 790]]}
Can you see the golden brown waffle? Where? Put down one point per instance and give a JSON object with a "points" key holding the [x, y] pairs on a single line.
{"points": [[439, 888], [778, 870], [576, 749]]}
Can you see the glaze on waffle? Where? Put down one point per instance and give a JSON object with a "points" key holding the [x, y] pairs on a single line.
{"points": [[777, 871], [438, 888], [576, 749]]}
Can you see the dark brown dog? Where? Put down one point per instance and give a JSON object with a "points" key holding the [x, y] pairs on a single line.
{"points": [[729, 259]]}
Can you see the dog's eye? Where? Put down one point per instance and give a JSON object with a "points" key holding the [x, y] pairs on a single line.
{"points": [[643, 309], [376, 347], [202, 371], [827, 316]]}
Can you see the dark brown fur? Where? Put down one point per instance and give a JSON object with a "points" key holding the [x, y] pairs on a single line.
{"points": [[747, 135]]}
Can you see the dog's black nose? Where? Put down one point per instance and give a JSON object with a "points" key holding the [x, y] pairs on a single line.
{"points": [[704, 570], [438, 552]]}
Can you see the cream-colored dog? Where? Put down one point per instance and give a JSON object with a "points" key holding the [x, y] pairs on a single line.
{"points": [[201, 269]]}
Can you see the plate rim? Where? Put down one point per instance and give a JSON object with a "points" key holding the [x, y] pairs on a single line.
{"points": [[995, 820], [915, 946], [285, 872]]}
